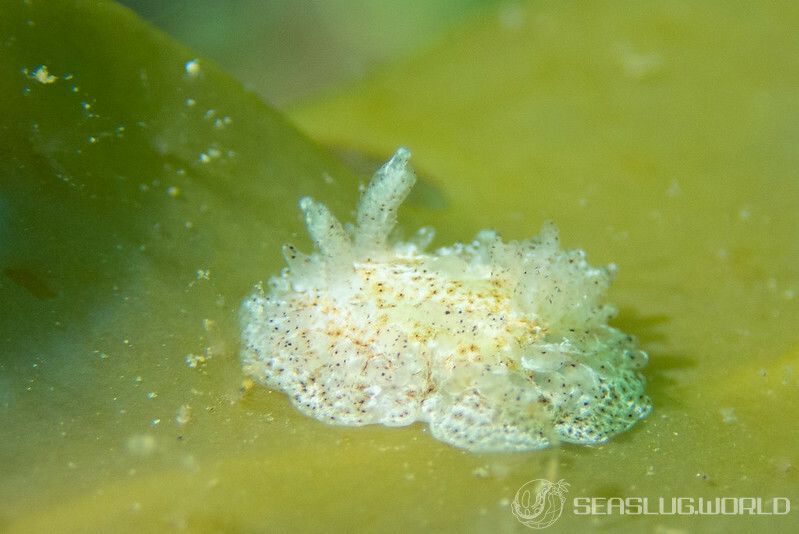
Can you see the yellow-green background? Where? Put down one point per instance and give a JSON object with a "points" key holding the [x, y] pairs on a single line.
{"points": [[662, 137]]}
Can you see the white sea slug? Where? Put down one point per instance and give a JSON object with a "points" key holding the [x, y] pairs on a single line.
{"points": [[497, 346]]}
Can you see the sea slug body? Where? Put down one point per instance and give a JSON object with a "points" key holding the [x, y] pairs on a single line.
{"points": [[497, 346]]}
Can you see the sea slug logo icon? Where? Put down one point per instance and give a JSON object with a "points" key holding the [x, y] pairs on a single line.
{"points": [[539, 503]]}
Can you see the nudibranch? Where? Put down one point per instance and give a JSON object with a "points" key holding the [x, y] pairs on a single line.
{"points": [[497, 346]]}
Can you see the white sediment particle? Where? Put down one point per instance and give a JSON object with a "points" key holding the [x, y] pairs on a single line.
{"points": [[141, 444], [192, 68], [209, 155], [221, 122], [183, 415], [481, 472], [674, 189], [195, 360], [41, 75], [728, 415], [497, 346]]}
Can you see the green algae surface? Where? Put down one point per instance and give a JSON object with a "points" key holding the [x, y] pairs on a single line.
{"points": [[143, 193]]}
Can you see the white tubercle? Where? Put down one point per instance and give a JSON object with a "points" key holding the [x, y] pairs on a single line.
{"points": [[497, 346]]}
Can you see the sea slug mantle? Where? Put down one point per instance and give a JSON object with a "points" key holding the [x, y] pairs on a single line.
{"points": [[497, 346]]}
